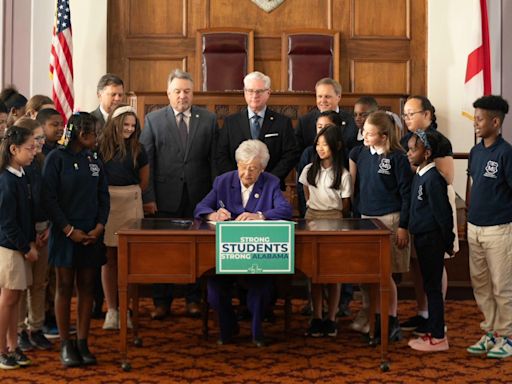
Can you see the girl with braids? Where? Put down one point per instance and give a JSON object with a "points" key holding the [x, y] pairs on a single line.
{"points": [[127, 169], [17, 239], [420, 114], [75, 193], [327, 188], [384, 177]]}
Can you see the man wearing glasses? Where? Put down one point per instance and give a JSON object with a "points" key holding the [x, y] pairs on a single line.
{"points": [[257, 121]]}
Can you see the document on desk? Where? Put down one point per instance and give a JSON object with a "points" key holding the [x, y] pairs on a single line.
{"points": [[255, 247]]}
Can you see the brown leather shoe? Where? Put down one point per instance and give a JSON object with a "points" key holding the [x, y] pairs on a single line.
{"points": [[159, 313], [193, 309]]}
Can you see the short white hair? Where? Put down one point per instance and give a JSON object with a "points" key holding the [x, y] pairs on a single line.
{"points": [[250, 150], [179, 74], [257, 76]]}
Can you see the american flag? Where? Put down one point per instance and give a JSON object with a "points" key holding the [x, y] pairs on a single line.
{"points": [[61, 60]]}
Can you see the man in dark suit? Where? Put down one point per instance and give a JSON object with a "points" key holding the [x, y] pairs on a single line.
{"points": [[257, 121], [179, 140], [110, 92], [328, 96]]}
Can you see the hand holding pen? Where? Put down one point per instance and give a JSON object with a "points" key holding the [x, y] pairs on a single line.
{"points": [[222, 214]]}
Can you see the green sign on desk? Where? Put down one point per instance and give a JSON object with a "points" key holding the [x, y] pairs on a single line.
{"points": [[255, 247]]}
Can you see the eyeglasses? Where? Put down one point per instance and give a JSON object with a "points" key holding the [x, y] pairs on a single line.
{"points": [[257, 92], [410, 115], [361, 114], [39, 138]]}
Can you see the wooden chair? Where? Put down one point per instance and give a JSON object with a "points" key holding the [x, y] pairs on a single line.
{"points": [[223, 57], [307, 55]]}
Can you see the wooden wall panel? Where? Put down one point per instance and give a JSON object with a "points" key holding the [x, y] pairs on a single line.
{"points": [[385, 18], [380, 76], [161, 18], [288, 15], [150, 75], [146, 38]]}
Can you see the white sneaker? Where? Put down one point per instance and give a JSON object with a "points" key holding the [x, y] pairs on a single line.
{"points": [[361, 322], [484, 345], [502, 349], [111, 319]]}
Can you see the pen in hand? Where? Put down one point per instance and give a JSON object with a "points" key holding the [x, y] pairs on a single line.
{"points": [[224, 210]]}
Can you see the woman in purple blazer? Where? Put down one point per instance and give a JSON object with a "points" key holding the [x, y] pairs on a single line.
{"points": [[245, 194]]}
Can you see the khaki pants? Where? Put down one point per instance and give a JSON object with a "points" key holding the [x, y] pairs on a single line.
{"points": [[32, 315], [490, 265]]}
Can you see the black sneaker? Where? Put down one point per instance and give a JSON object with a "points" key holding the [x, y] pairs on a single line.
{"points": [[21, 359], [315, 328], [413, 322], [330, 328], [24, 341], [39, 341], [8, 362]]}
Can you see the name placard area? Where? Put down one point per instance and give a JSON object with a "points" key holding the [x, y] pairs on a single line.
{"points": [[255, 247]]}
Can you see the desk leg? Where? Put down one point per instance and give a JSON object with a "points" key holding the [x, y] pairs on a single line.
{"points": [[137, 341], [384, 325], [123, 309]]}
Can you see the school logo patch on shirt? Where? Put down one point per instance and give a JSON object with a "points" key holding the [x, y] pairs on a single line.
{"points": [[420, 192], [385, 166], [491, 169], [95, 170]]}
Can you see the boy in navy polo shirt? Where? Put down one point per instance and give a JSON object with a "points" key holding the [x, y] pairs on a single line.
{"points": [[490, 228]]}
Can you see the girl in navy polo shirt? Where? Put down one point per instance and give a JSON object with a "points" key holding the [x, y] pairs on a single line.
{"points": [[76, 195], [431, 223], [17, 239], [384, 175], [127, 169]]}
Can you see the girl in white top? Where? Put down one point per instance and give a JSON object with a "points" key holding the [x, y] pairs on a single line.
{"points": [[327, 187]]}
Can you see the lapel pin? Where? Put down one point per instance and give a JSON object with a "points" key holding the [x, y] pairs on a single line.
{"points": [[197, 116], [271, 117], [76, 166], [257, 195]]}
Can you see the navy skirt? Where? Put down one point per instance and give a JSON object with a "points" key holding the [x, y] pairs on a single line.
{"points": [[64, 252]]}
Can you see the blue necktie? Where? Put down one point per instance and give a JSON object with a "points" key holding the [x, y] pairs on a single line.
{"points": [[255, 126]]}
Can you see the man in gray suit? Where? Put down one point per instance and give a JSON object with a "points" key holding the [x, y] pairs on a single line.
{"points": [[110, 92], [179, 140]]}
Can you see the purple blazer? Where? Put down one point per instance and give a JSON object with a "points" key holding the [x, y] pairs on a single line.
{"points": [[266, 197]]}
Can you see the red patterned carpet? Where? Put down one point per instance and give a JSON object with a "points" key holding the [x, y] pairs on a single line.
{"points": [[174, 352]]}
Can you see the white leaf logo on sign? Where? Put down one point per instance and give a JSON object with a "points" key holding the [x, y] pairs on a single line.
{"points": [[268, 5]]}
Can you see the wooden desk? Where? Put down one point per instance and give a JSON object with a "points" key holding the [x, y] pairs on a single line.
{"points": [[327, 251]]}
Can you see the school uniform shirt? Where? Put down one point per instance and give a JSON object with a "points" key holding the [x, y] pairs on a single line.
{"points": [[430, 207], [75, 188], [48, 147], [16, 222], [384, 183], [35, 181], [75, 192], [322, 197], [490, 169], [122, 172]]}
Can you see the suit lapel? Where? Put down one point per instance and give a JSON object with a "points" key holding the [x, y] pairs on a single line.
{"points": [[245, 126], [267, 123], [192, 128], [255, 195], [236, 191]]}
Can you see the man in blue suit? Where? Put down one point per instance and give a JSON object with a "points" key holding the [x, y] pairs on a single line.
{"points": [[248, 193], [179, 140]]}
